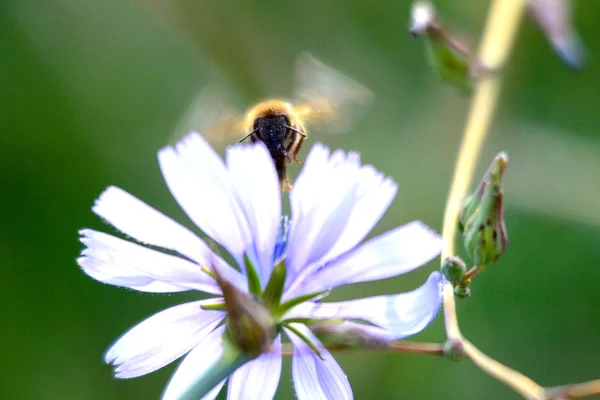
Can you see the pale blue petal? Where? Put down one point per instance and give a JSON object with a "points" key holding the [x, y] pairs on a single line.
{"points": [[162, 338], [257, 379], [320, 207], [401, 315], [195, 364], [147, 225], [203, 187], [122, 263], [255, 181], [373, 196], [394, 253], [316, 378]]}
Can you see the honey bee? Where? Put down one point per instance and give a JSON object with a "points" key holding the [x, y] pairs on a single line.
{"points": [[276, 124], [324, 98]]}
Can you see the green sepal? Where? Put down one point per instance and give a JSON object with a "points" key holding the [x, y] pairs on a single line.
{"points": [[305, 339], [274, 290], [254, 286], [217, 306], [288, 305]]}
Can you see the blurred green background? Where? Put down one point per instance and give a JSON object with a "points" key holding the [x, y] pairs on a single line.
{"points": [[90, 90]]}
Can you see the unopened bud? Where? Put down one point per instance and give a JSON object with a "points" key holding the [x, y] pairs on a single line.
{"points": [[482, 216], [449, 56], [249, 324], [422, 17], [344, 335], [453, 269], [463, 289]]}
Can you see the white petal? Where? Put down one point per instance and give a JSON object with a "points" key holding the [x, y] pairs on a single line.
{"points": [[255, 180], [202, 186], [316, 378], [320, 207], [119, 262], [401, 315], [147, 225], [258, 379], [394, 253], [195, 364], [373, 197], [162, 338]]}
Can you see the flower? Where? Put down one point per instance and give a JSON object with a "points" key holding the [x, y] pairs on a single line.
{"points": [[335, 203]]}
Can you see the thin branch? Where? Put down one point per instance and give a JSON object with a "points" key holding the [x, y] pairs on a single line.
{"points": [[450, 317], [405, 346], [520, 383], [399, 346], [574, 391], [473, 272], [500, 31]]}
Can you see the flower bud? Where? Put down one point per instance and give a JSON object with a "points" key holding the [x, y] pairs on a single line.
{"points": [[463, 289], [453, 269], [249, 323], [347, 336], [449, 56], [482, 216]]}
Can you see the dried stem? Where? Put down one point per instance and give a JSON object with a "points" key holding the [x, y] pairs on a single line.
{"points": [[500, 31], [399, 346], [404, 346]]}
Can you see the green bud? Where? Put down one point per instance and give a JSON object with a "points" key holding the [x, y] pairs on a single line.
{"points": [[249, 324], [449, 56], [453, 269], [463, 289], [482, 216], [339, 335]]}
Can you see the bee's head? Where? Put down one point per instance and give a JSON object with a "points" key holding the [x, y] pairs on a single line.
{"points": [[271, 127]]}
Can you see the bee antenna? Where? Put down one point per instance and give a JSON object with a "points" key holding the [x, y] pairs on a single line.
{"points": [[296, 130], [248, 135]]}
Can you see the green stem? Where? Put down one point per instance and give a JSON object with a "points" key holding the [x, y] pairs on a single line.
{"points": [[231, 360]]}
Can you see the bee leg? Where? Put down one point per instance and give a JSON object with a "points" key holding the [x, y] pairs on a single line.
{"points": [[295, 146]]}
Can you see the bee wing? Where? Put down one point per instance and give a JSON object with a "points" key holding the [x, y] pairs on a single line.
{"points": [[212, 114], [327, 99]]}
